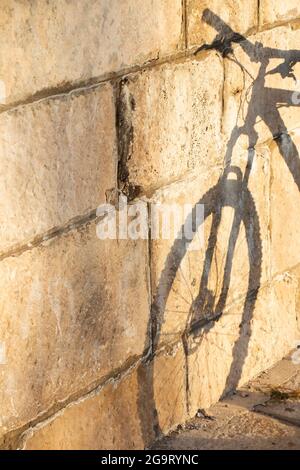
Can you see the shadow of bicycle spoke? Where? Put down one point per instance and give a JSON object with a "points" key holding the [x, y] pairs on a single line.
{"points": [[206, 319]]}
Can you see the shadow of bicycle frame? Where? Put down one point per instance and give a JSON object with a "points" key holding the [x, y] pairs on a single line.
{"points": [[226, 193]]}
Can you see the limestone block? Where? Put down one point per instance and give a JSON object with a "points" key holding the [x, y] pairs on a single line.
{"points": [[285, 201], [245, 341], [57, 159], [176, 270], [73, 311], [58, 43], [124, 414], [226, 259], [109, 419], [272, 11], [240, 15], [169, 385], [170, 122]]}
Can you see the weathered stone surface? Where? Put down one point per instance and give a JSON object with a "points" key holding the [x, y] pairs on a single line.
{"points": [[272, 334], [73, 311], [233, 423], [272, 11], [49, 44], [176, 275], [284, 373], [246, 194], [170, 120], [240, 15], [109, 419], [260, 95], [58, 158], [179, 296], [245, 341], [233, 429], [285, 201], [122, 415], [76, 310], [169, 383]]}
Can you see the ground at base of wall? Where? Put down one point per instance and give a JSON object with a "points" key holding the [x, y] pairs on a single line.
{"points": [[265, 414]]}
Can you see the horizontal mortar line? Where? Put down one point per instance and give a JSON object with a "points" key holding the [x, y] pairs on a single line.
{"points": [[289, 131], [279, 24], [115, 378], [264, 285], [48, 416], [78, 221], [234, 302], [60, 91], [92, 390], [205, 321], [288, 271], [189, 176], [166, 347], [72, 224], [85, 85]]}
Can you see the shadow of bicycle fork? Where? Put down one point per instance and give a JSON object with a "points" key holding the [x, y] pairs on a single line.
{"points": [[230, 191]]}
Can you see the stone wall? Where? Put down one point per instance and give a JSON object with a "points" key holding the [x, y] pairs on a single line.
{"points": [[100, 97]]}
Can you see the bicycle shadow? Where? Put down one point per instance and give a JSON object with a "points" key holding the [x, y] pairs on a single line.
{"points": [[205, 310]]}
